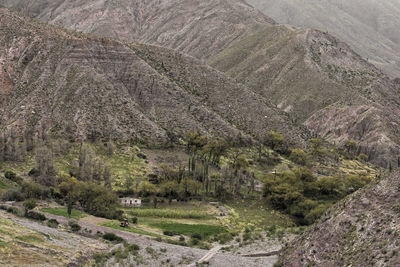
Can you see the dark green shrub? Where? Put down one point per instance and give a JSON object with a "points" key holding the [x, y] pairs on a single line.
{"points": [[75, 227], [10, 175], [132, 247], [196, 236], [112, 237], [170, 233], [14, 210], [223, 238], [13, 195], [30, 204], [53, 223], [134, 220], [35, 216], [33, 190], [3, 207]]}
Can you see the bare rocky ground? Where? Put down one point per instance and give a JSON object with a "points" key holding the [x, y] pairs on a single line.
{"points": [[74, 249]]}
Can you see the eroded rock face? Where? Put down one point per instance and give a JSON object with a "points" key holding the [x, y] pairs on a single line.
{"points": [[200, 28], [361, 230], [320, 81], [74, 85]]}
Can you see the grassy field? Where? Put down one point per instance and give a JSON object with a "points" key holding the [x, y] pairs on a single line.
{"points": [[255, 215], [169, 213], [75, 214]]}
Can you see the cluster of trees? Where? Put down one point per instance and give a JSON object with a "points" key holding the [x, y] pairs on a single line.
{"points": [[301, 194], [90, 168], [95, 199]]}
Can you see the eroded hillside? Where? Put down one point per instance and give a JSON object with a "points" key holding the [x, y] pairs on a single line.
{"points": [[199, 28], [313, 76], [322, 82], [65, 83], [370, 27], [361, 230]]}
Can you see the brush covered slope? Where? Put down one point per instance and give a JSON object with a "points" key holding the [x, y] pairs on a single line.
{"points": [[323, 83], [370, 27], [69, 84], [361, 230], [199, 28]]}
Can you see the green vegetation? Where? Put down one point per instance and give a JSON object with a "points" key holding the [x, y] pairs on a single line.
{"points": [[170, 213], [35, 216], [302, 195], [190, 229], [2, 185], [75, 214], [75, 227], [53, 223], [30, 204], [113, 237]]}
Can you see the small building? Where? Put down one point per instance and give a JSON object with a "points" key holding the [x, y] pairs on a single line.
{"points": [[131, 202]]}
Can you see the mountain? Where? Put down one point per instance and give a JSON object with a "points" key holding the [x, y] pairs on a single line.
{"points": [[198, 28], [361, 230], [310, 74], [322, 82], [70, 84], [370, 27]]}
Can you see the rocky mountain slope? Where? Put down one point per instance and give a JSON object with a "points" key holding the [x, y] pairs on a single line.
{"points": [[361, 230], [313, 76], [322, 82], [198, 28], [66, 83], [370, 27]]}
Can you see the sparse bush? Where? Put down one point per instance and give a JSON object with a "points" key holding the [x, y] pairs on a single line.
{"points": [[30, 204], [10, 175], [33, 190], [132, 247], [13, 195], [135, 220], [363, 157], [196, 236], [35, 216], [53, 223], [113, 237], [298, 156], [170, 233], [15, 211], [75, 227]]}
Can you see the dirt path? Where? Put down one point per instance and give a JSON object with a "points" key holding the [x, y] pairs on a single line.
{"points": [[206, 257]]}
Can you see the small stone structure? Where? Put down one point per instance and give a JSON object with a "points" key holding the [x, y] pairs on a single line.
{"points": [[131, 202]]}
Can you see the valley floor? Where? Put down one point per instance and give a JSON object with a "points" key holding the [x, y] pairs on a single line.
{"points": [[29, 243]]}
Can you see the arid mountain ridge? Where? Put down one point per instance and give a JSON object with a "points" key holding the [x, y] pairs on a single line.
{"points": [[313, 76], [370, 27], [74, 85]]}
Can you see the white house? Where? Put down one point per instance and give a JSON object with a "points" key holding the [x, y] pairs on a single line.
{"points": [[131, 202]]}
